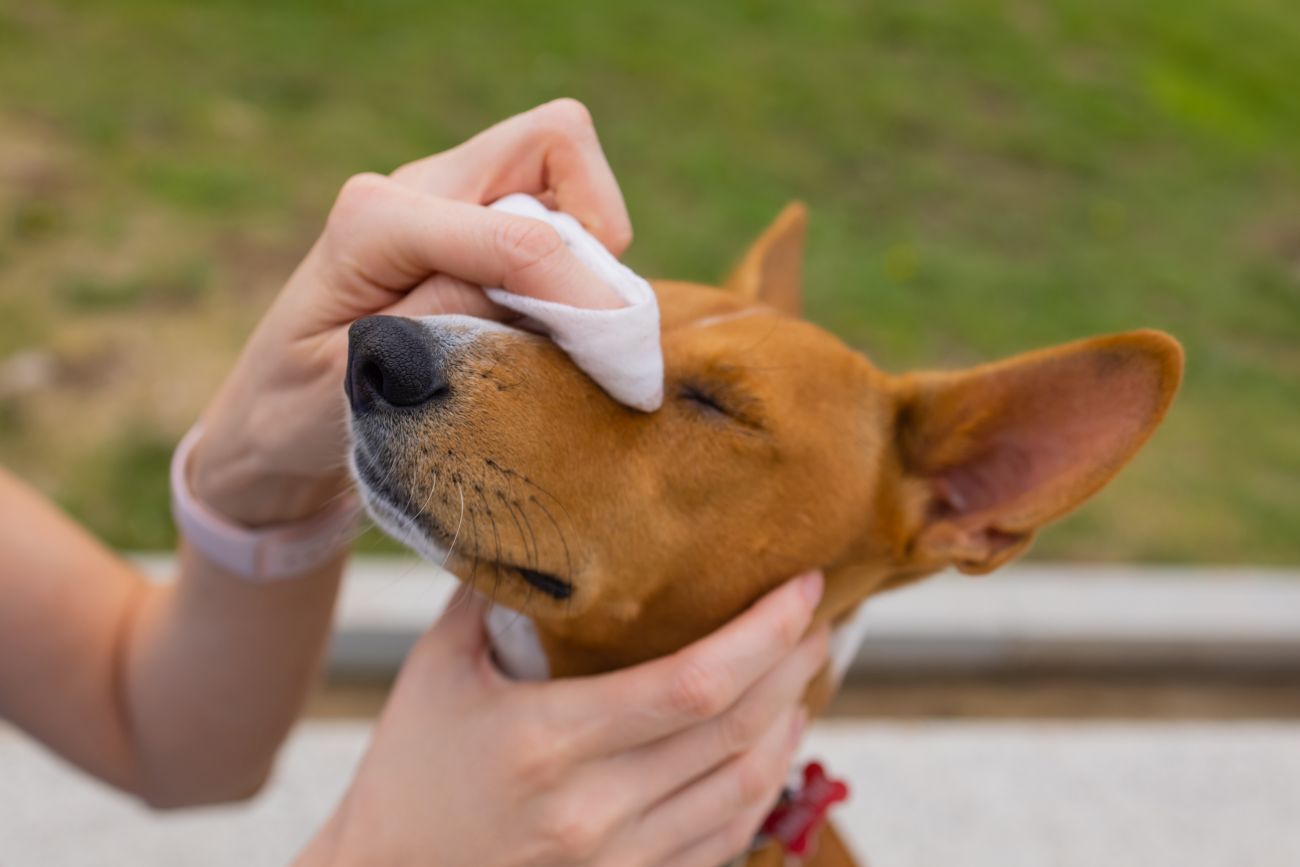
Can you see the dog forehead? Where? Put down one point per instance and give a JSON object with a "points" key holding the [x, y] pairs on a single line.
{"points": [[703, 322], [683, 304]]}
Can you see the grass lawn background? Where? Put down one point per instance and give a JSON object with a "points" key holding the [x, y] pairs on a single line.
{"points": [[984, 177]]}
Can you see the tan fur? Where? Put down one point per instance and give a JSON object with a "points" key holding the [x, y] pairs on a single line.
{"points": [[669, 524], [772, 269]]}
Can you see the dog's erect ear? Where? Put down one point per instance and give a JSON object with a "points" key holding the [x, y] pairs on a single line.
{"points": [[997, 451], [772, 269]]}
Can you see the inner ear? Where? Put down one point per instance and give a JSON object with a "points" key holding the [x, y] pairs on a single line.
{"points": [[771, 271], [1002, 449]]}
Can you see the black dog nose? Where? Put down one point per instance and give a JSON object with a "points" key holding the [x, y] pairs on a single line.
{"points": [[392, 362]]}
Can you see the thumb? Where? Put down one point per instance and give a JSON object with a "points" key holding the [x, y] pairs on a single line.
{"points": [[462, 628], [455, 645]]}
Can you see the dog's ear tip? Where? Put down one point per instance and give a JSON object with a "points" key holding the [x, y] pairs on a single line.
{"points": [[1165, 347], [791, 220], [771, 270], [1153, 341], [1152, 354], [795, 209]]}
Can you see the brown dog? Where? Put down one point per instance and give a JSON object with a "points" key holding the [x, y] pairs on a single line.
{"points": [[624, 536]]}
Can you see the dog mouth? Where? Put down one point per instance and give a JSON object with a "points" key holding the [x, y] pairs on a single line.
{"points": [[556, 588], [394, 512]]}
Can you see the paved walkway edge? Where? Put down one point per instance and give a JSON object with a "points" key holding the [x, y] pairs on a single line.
{"points": [[1027, 617]]}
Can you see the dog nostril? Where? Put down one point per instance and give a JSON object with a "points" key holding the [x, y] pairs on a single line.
{"points": [[392, 362], [400, 385], [372, 375]]}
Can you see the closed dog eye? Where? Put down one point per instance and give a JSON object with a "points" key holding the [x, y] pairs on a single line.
{"points": [[704, 400], [721, 403]]}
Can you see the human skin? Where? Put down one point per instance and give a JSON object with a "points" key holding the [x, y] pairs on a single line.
{"points": [[182, 693]]}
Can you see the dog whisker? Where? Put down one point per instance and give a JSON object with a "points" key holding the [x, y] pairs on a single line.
{"points": [[533, 554], [496, 538], [548, 494], [473, 571], [420, 512], [373, 462], [760, 341], [459, 523], [528, 554], [537, 554], [559, 532], [523, 610]]}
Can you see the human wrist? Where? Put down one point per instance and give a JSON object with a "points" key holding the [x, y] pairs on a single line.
{"points": [[234, 476], [288, 547], [238, 488]]}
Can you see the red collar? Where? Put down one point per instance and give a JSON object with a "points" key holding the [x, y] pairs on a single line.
{"points": [[798, 817]]}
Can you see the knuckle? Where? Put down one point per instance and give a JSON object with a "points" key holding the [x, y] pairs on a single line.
{"points": [[356, 199], [539, 771], [408, 173], [789, 628], [621, 236], [524, 242], [540, 765], [740, 728], [568, 115], [573, 830], [701, 690], [357, 194], [756, 780]]}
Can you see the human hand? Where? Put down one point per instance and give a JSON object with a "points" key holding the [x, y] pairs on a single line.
{"points": [[416, 243], [674, 762]]}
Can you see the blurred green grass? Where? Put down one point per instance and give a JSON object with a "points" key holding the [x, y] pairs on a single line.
{"points": [[985, 177]]}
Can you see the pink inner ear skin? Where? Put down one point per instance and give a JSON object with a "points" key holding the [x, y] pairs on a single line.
{"points": [[1007, 447], [993, 478], [1024, 441]]}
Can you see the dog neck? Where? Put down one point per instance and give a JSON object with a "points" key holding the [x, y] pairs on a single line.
{"points": [[519, 654]]}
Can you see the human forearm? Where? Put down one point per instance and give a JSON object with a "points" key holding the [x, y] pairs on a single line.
{"points": [[178, 692], [216, 671]]}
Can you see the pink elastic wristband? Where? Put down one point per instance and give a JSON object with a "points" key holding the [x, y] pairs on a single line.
{"points": [[264, 554]]}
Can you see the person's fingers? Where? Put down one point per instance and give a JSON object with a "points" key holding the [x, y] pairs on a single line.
{"points": [[551, 152], [615, 712], [454, 647], [442, 294], [742, 787], [666, 765], [462, 627], [721, 847], [388, 235]]}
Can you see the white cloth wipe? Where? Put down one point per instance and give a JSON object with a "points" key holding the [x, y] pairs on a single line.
{"points": [[619, 348]]}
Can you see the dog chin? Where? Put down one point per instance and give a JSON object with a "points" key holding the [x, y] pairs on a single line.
{"points": [[406, 528], [395, 522]]}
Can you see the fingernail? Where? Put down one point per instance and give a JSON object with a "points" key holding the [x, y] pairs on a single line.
{"points": [[811, 585]]}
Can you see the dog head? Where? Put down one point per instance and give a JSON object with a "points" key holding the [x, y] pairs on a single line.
{"points": [[626, 535]]}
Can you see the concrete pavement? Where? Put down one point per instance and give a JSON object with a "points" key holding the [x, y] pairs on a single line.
{"points": [[926, 795], [957, 793]]}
